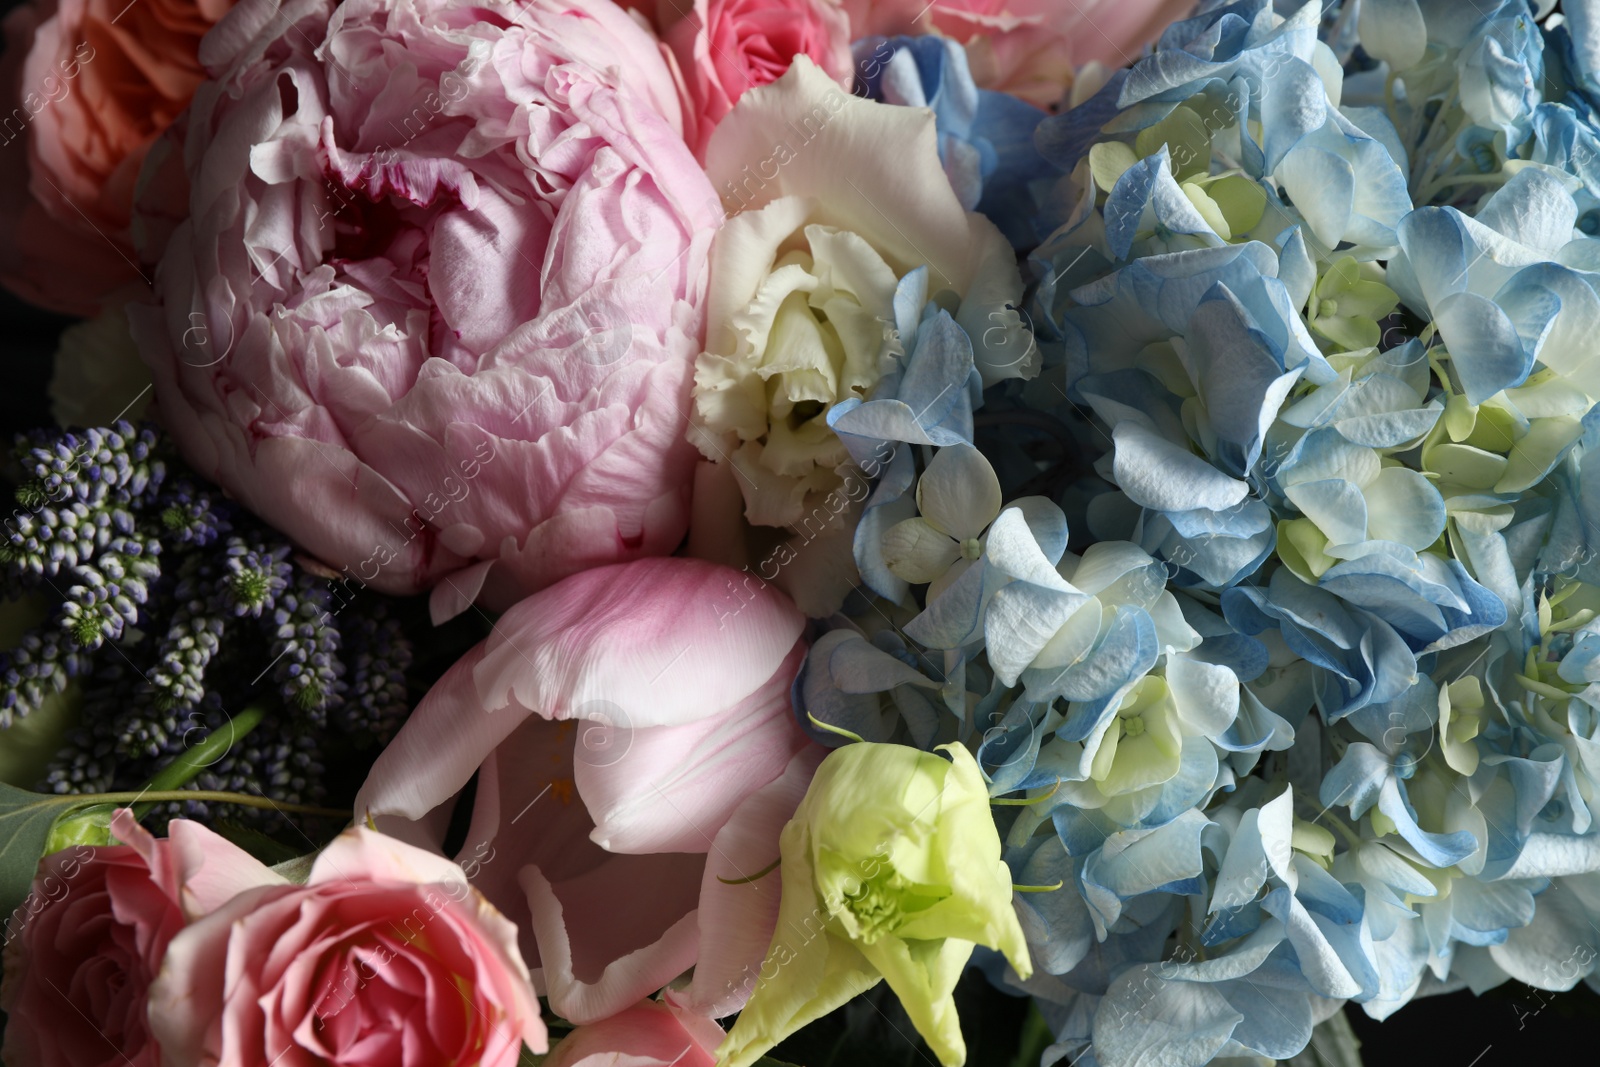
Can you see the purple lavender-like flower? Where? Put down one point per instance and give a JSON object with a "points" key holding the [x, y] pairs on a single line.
{"points": [[192, 639], [376, 700], [192, 513], [256, 574], [306, 648], [32, 671], [175, 610]]}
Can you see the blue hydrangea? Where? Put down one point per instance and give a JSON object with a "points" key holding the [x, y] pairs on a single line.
{"points": [[1271, 605]]}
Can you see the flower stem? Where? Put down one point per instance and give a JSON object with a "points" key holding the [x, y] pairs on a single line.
{"points": [[246, 800]]}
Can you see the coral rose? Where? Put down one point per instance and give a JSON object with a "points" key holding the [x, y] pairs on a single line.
{"points": [[90, 939], [385, 956], [86, 87], [435, 308]]}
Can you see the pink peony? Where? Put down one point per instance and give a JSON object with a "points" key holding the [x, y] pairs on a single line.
{"points": [[435, 309], [1029, 48], [84, 947], [724, 47], [384, 957], [649, 1034], [631, 728], [85, 87]]}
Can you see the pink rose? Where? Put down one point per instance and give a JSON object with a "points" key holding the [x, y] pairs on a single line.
{"points": [[435, 308], [649, 1034], [1028, 48], [635, 745], [84, 947], [86, 86], [724, 47], [385, 956]]}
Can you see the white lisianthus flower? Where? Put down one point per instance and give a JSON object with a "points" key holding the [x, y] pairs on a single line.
{"points": [[832, 200]]}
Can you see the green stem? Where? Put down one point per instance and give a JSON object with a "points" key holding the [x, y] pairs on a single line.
{"points": [[840, 730], [1351, 838], [215, 745], [762, 873], [245, 800], [1439, 185]]}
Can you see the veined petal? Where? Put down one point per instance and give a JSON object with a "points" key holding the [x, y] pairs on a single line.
{"points": [[959, 492], [673, 788], [1158, 474]]}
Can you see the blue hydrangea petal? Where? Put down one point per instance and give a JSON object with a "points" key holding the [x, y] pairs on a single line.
{"points": [[1127, 651], [1156, 473], [1059, 928]]}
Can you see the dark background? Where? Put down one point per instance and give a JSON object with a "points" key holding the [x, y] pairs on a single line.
{"points": [[1503, 1028], [27, 340]]}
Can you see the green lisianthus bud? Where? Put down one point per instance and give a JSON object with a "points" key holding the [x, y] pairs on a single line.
{"points": [[891, 870]]}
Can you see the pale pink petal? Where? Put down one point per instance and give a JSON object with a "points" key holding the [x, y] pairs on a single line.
{"points": [[732, 947], [648, 1034], [635, 645], [183, 1018], [360, 853], [444, 741], [197, 868], [656, 642], [526, 813], [456, 592], [602, 944], [671, 788]]}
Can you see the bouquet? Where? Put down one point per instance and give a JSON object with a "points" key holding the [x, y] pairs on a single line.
{"points": [[677, 532]]}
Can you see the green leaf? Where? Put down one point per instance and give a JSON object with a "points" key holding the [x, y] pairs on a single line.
{"points": [[213, 747], [26, 820]]}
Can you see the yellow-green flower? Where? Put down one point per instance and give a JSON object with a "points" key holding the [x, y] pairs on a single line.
{"points": [[891, 870], [1349, 300]]}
